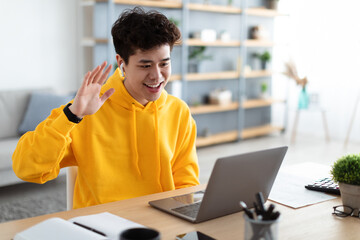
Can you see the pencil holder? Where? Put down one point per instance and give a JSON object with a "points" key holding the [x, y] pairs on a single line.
{"points": [[260, 230]]}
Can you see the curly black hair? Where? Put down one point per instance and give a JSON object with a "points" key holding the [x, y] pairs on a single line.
{"points": [[137, 29]]}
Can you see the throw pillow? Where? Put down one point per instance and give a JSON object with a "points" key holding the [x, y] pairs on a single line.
{"points": [[39, 108]]}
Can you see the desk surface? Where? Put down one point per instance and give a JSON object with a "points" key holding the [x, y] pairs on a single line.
{"points": [[312, 222]]}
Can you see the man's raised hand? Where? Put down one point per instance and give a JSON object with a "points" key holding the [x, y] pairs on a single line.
{"points": [[87, 100]]}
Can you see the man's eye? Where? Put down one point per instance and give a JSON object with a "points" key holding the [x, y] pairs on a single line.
{"points": [[145, 66], [165, 64]]}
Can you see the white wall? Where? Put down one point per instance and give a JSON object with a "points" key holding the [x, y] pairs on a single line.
{"points": [[38, 48], [325, 44], [38, 44]]}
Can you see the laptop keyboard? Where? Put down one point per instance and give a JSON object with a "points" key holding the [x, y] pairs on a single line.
{"points": [[189, 210]]}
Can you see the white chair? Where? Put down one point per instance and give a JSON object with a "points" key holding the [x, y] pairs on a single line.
{"points": [[314, 105], [71, 174]]}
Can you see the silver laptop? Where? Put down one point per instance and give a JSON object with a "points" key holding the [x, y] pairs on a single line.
{"points": [[233, 179]]}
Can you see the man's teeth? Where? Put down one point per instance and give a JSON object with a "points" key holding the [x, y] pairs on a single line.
{"points": [[153, 86]]}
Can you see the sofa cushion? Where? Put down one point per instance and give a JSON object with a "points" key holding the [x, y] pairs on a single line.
{"points": [[7, 148], [12, 108], [39, 108]]}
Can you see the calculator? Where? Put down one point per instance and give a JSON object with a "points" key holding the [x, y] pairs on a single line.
{"points": [[324, 185]]}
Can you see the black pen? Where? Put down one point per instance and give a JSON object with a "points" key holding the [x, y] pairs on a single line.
{"points": [[246, 210], [269, 212], [260, 200]]}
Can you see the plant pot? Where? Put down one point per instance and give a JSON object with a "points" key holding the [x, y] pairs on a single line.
{"points": [[273, 4], [263, 65], [193, 67], [264, 95], [350, 195]]}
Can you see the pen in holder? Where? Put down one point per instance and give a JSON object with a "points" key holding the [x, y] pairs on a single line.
{"points": [[260, 223], [256, 229]]}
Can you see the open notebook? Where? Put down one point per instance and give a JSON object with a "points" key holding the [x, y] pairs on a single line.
{"points": [[102, 226]]}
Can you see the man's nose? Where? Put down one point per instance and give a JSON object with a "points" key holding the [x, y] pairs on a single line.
{"points": [[155, 73]]}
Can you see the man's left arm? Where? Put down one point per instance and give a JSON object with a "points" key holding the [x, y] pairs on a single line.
{"points": [[185, 168]]}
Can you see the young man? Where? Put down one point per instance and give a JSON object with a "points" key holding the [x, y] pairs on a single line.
{"points": [[129, 137]]}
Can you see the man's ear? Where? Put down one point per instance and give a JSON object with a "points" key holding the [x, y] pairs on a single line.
{"points": [[120, 63]]}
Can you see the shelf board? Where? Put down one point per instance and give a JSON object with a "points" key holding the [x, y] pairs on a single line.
{"points": [[217, 138], [150, 3], [255, 103], [86, 3], [217, 43], [259, 131], [175, 77], [211, 108], [258, 73], [212, 76], [263, 12], [258, 43], [89, 41], [213, 8], [91, 2]]}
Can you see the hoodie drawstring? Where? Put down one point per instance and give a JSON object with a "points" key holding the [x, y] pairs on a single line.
{"points": [[157, 141], [134, 144]]}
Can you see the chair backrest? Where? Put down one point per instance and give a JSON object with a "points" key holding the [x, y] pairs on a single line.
{"points": [[71, 173]]}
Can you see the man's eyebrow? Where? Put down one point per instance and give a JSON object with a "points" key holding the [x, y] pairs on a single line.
{"points": [[150, 61]]}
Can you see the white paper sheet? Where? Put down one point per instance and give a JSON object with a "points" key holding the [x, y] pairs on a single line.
{"points": [[289, 189]]}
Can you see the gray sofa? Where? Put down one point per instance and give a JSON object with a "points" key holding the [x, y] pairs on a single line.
{"points": [[15, 108], [12, 109]]}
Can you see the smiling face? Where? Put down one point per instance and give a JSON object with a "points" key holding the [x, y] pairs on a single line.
{"points": [[147, 73]]}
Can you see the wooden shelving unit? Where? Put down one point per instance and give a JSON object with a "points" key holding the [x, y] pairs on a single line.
{"points": [[259, 131], [213, 8], [93, 49], [255, 103], [258, 73], [212, 76], [202, 109], [207, 76], [175, 77], [92, 41], [217, 138], [149, 3], [217, 43], [258, 43], [263, 12]]}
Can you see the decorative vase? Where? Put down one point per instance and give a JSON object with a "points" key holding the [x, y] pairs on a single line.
{"points": [[350, 195], [303, 99]]}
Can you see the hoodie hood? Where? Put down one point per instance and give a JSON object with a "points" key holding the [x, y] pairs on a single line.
{"points": [[122, 97]]}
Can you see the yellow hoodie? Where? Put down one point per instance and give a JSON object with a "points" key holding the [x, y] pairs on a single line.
{"points": [[124, 150]]}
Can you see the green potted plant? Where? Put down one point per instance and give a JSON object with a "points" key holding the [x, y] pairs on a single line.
{"points": [[175, 21], [346, 172], [196, 56], [264, 58], [264, 88]]}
